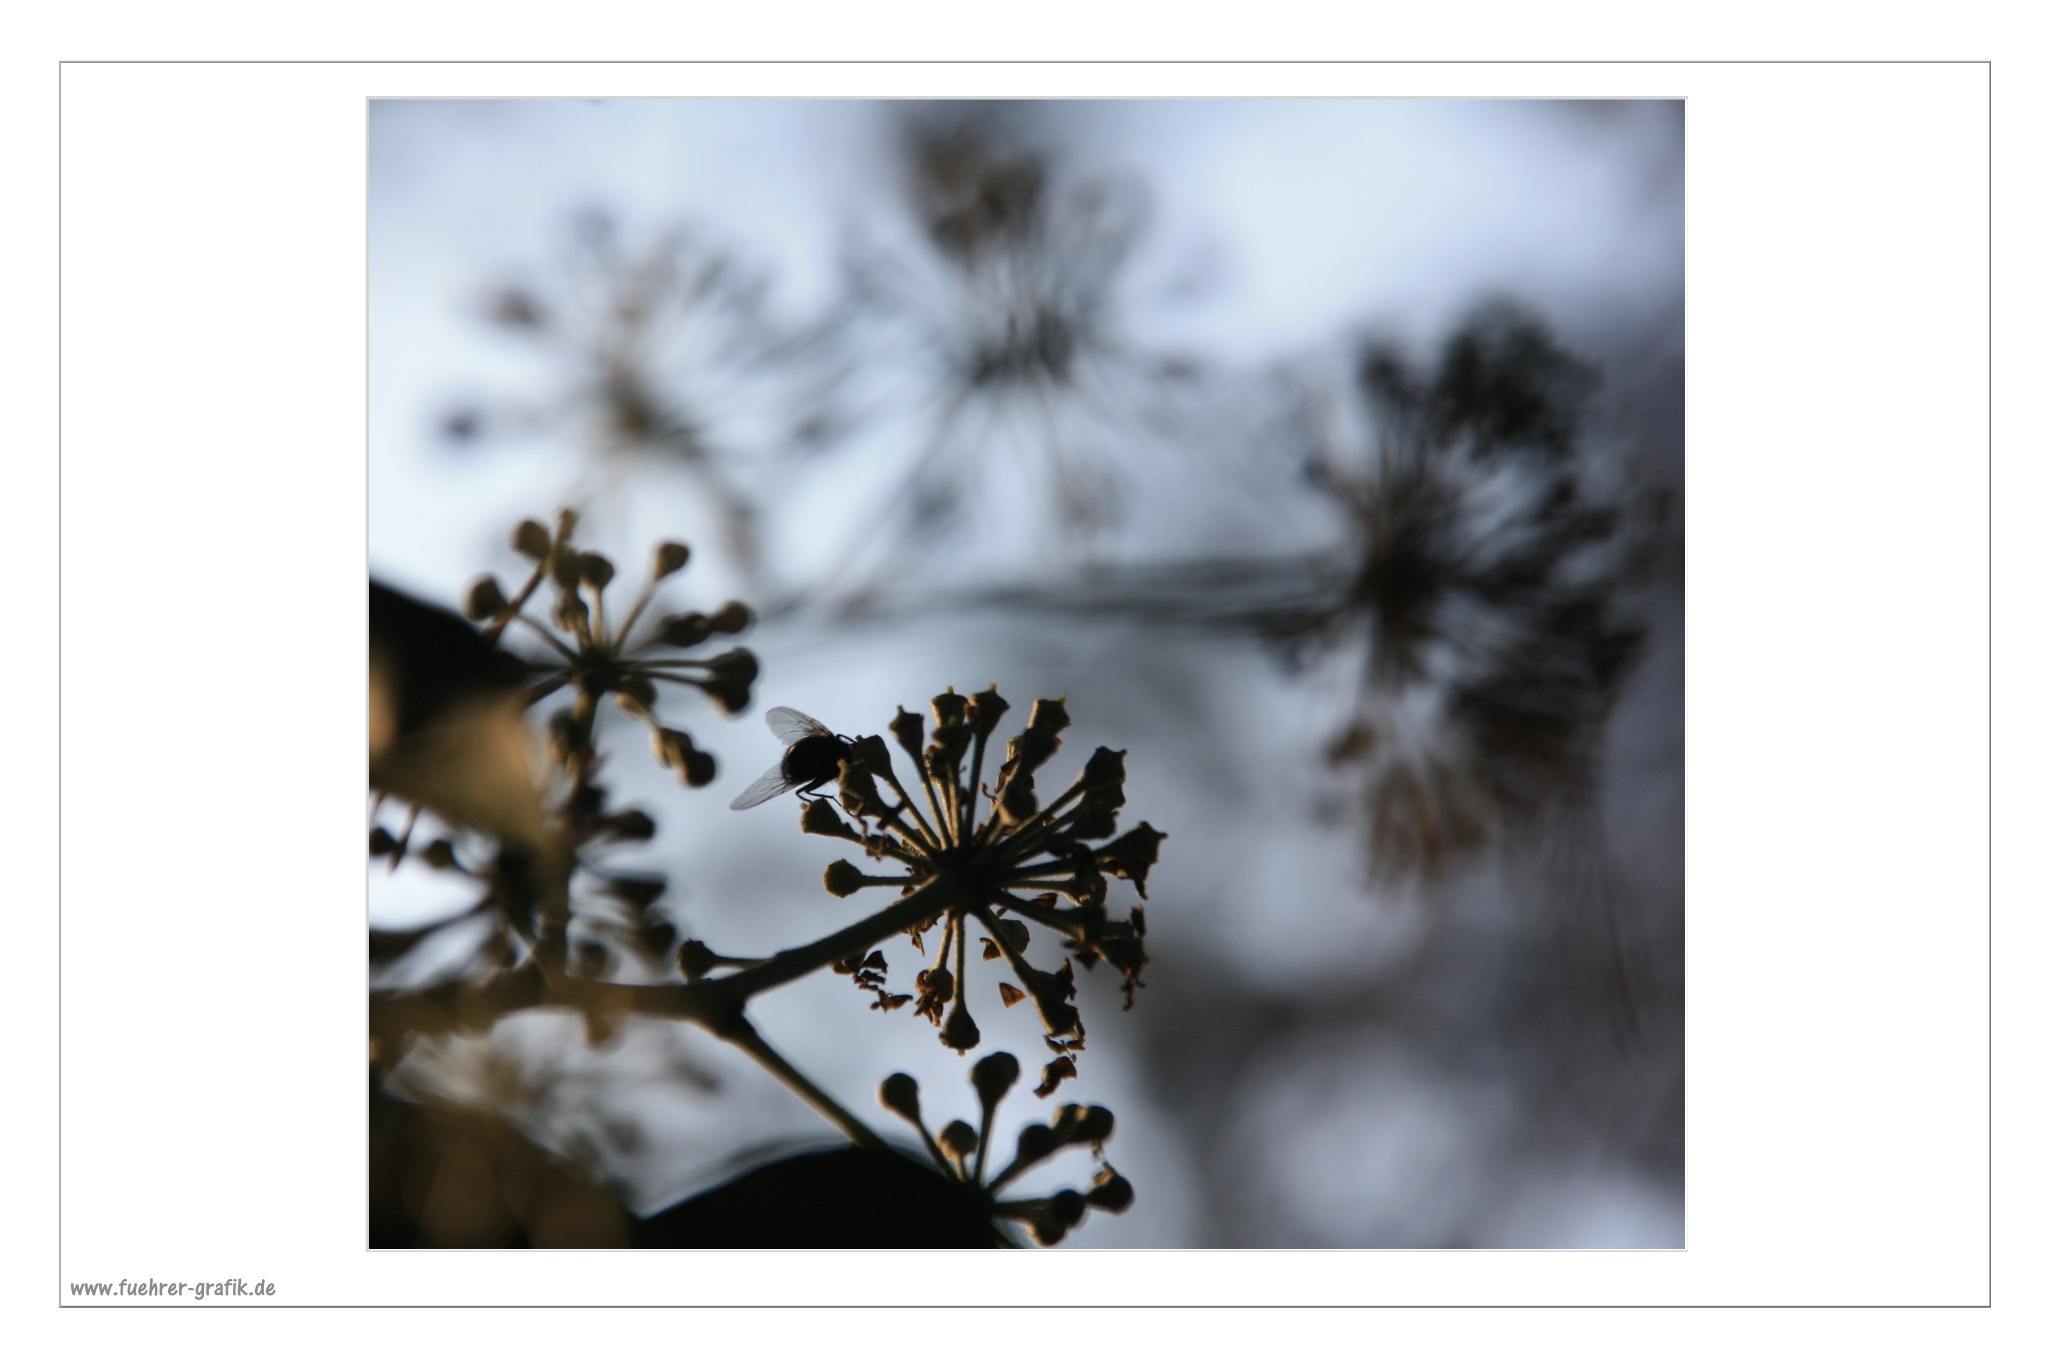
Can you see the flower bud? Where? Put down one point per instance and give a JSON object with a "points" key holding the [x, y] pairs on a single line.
{"points": [[685, 631], [738, 665], [594, 569], [1047, 1228], [993, 1076], [635, 826], [1035, 1144], [1112, 1193], [486, 599], [958, 1138], [571, 615], [530, 538], [695, 960], [639, 892], [699, 768], [732, 618], [1089, 1123], [672, 746], [1069, 1207], [669, 558], [565, 567], [899, 1096], [634, 696]]}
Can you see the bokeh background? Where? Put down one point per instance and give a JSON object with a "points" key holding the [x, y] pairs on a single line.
{"points": [[1077, 398]]}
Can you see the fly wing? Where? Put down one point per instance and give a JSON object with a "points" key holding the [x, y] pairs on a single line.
{"points": [[791, 725], [767, 786]]}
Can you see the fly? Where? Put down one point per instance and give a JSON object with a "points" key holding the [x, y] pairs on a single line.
{"points": [[811, 760]]}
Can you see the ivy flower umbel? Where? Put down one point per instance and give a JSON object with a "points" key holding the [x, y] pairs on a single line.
{"points": [[961, 1151], [596, 651], [992, 873]]}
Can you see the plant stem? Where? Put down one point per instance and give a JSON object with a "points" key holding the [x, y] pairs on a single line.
{"points": [[748, 1040]]}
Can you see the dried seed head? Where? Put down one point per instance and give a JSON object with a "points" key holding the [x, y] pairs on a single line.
{"points": [[949, 708], [594, 569], [959, 1138], [908, 727], [985, 710], [820, 817], [937, 983], [1131, 856], [960, 1032]]}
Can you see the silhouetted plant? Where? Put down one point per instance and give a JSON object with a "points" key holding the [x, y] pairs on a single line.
{"points": [[560, 923], [1003, 311], [664, 348]]}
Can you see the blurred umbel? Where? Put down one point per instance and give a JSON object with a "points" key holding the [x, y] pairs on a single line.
{"points": [[448, 719]]}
